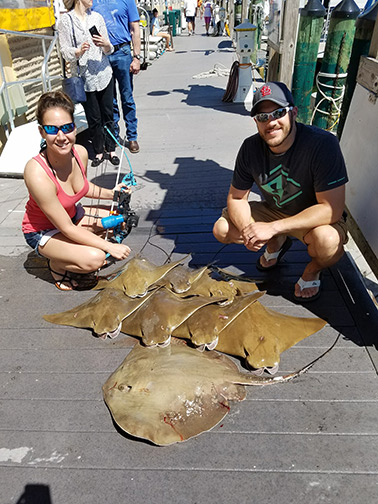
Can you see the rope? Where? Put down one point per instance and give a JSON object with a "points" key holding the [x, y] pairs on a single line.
{"points": [[215, 72], [334, 102]]}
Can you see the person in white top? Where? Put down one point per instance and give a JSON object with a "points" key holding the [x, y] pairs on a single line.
{"points": [[190, 11], [89, 52]]}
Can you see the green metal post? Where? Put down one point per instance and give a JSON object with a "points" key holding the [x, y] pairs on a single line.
{"points": [[361, 45], [253, 20], [332, 76], [238, 12], [309, 32]]}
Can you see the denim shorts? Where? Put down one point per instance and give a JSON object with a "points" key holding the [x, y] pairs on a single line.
{"points": [[40, 238]]}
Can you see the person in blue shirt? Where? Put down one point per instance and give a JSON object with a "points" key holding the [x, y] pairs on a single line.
{"points": [[157, 32], [122, 22]]}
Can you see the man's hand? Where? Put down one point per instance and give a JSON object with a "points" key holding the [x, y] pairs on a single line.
{"points": [[257, 234], [135, 66]]}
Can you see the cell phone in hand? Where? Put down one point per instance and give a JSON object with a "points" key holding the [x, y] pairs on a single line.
{"points": [[93, 31]]}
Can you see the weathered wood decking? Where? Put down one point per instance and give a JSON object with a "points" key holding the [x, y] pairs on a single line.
{"points": [[312, 440]]}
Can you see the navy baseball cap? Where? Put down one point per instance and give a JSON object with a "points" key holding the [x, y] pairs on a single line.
{"points": [[276, 92]]}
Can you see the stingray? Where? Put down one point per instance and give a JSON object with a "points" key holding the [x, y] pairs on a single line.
{"points": [[204, 326], [161, 315], [181, 278], [260, 335], [103, 313], [209, 287], [136, 277], [168, 395]]}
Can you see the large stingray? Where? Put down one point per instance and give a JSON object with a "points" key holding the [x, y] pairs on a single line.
{"points": [[171, 394], [261, 335], [136, 277], [204, 326], [156, 320], [103, 313]]}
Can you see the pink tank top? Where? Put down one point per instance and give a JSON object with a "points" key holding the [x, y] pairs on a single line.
{"points": [[34, 219]]}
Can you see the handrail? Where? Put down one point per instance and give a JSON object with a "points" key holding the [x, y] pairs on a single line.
{"points": [[45, 78]]}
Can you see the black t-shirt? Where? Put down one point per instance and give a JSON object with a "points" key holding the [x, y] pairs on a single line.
{"points": [[289, 181]]}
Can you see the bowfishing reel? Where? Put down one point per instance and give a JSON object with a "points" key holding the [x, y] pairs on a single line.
{"points": [[124, 219]]}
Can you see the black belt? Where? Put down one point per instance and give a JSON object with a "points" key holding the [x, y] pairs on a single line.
{"points": [[118, 46]]}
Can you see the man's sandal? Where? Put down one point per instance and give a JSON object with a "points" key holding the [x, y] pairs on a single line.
{"points": [[268, 256], [307, 285], [66, 279]]}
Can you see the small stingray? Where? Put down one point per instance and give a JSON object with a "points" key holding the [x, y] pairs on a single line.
{"points": [[171, 394], [180, 279], [136, 277], [161, 315], [204, 326], [103, 313], [208, 287], [261, 335], [241, 282]]}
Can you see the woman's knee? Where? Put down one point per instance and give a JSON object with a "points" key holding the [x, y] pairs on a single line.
{"points": [[92, 260]]}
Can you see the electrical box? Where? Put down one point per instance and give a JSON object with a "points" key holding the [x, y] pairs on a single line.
{"points": [[245, 38]]}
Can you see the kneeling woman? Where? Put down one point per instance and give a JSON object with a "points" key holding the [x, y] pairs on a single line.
{"points": [[54, 224]]}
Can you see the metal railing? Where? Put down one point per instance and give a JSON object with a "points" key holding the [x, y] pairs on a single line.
{"points": [[45, 78]]}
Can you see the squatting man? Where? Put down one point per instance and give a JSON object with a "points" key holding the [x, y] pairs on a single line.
{"points": [[301, 174]]}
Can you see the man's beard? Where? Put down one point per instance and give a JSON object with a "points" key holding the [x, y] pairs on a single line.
{"points": [[273, 141]]}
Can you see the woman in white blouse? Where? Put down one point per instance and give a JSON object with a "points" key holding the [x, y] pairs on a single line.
{"points": [[89, 52]]}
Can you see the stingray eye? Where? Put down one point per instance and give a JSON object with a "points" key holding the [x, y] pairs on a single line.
{"points": [[124, 388]]}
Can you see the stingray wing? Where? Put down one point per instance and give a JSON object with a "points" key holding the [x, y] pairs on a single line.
{"points": [[103, 313], [260, 335]]}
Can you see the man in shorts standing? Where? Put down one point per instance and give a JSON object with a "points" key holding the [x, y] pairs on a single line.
{"points": [[190, 10], [301, 174]]}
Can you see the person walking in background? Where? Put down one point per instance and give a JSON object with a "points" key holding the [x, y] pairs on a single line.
{"points": [[89, 52], [122, 22], [207, 14], [190, 11]]}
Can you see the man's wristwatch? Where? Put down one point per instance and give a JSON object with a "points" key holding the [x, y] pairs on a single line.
{"points": [[137, 56]]}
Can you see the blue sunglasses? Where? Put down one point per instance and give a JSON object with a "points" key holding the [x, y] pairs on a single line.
{"points": [[54, 130]]}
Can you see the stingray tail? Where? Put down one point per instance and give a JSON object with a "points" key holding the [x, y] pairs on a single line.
{"points": [[271, 380]]}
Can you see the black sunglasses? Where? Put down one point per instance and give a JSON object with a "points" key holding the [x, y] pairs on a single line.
{"points": [[276, 114], [54, 130]]}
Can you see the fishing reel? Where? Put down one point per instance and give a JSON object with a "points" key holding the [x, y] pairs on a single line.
{"points": [[123, 219]]}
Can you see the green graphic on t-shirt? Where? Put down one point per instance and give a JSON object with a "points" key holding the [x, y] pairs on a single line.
{"points": [[281, 187]]}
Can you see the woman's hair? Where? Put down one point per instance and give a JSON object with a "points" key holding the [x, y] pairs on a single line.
{"points": [[69, 4], [54, 99]]}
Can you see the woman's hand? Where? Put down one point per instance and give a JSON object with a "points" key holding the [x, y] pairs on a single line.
{"points": [[101, 41], [118, 250], [82, 49], [122, 186]]}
